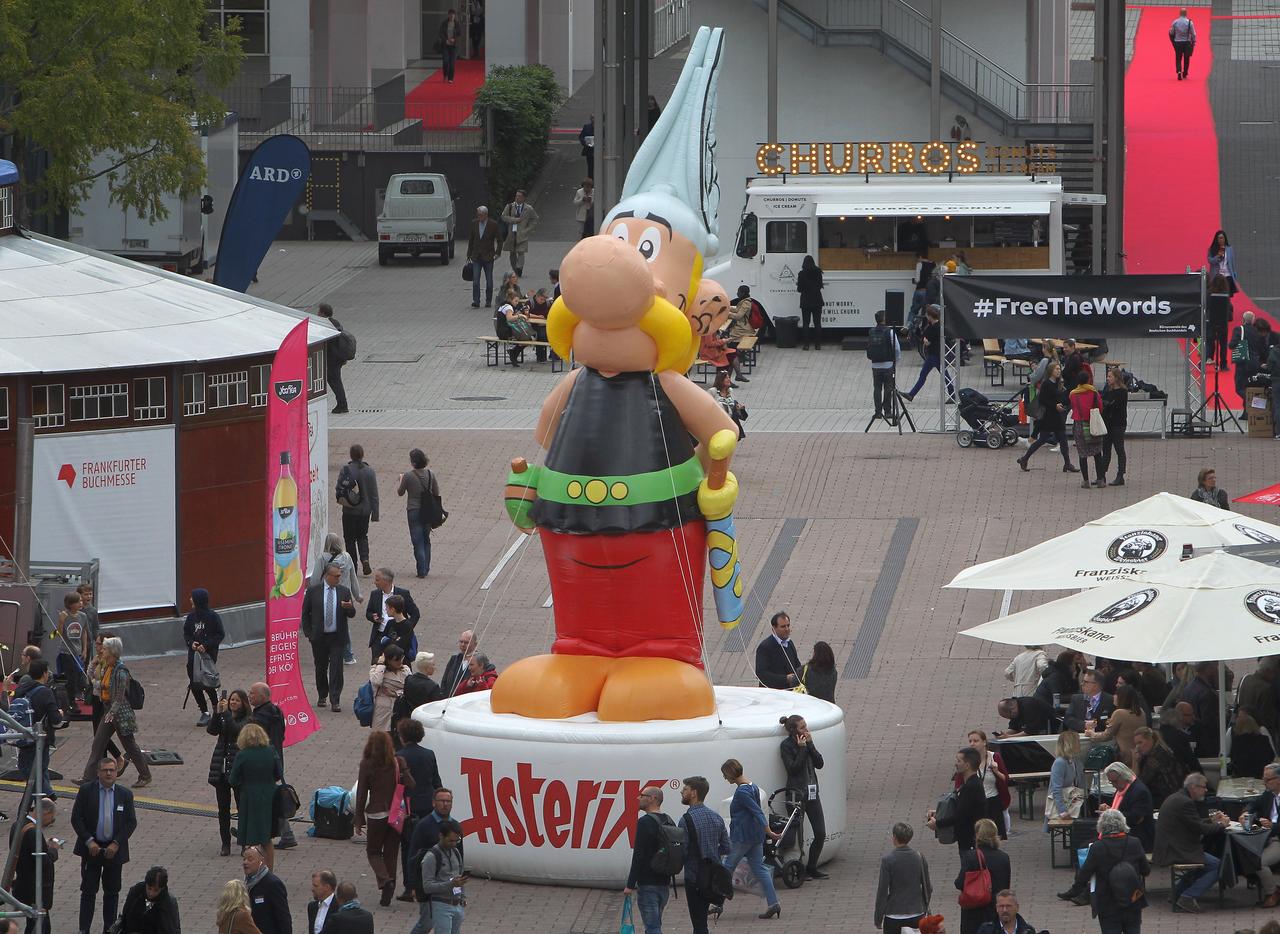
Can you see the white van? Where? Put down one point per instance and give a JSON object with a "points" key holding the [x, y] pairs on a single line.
{"points": [[417, 217]]}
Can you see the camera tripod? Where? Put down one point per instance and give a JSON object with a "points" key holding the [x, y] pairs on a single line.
{"points": [[896, 410], [1222, 411]]}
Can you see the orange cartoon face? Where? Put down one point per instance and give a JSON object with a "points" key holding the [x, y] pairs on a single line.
{"points": [[710, 308]]}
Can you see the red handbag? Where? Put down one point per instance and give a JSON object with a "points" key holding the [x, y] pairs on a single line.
{"points": [[397, 813], [976, 892]]}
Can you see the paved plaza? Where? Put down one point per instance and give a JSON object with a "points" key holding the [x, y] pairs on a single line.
{"points": [[834, 524]]}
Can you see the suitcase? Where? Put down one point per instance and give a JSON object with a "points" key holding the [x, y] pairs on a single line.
{"points": [[333, 822]]}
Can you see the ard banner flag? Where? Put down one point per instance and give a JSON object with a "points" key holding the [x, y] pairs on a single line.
{"points": [[269, 186], [288, 514], [1085, 307]]}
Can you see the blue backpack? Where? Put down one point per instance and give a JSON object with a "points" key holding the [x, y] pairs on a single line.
{"points": [[20, 710], [363, 706]]}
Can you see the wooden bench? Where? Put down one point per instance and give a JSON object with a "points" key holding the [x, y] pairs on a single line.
{"points": [[494, 347], [1027, 783], [747, 352], [1180, 871], [703, 370], [993, 360], [1059, 840]]}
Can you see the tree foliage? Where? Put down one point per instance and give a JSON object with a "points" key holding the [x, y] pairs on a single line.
{"points": [[82, 77], [523, 100]]}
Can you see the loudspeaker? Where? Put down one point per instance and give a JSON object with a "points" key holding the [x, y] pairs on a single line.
{"points": [[895, 308]]}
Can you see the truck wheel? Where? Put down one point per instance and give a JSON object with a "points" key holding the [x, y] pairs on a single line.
{"points": [[445, 253], [451, 246], [384, 257]]}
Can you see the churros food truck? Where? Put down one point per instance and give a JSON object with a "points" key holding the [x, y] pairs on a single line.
{"points": [[863, 211]]}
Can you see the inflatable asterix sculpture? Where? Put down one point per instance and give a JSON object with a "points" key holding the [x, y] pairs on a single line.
{"points": [[635, 493]]}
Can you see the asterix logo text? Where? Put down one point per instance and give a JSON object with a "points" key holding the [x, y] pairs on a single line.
{"points": [[547, 812], [1068, 307]]}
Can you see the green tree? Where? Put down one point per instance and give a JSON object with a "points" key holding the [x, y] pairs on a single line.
{"points": [[83, 77], [523, 99]]}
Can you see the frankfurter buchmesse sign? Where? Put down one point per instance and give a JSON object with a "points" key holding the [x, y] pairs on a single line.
{"points": [[1072, 306]]}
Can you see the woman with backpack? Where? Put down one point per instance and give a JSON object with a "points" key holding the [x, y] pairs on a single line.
{"points": [[419, 481], [1117, 865], [118, 692], [748, 827]]}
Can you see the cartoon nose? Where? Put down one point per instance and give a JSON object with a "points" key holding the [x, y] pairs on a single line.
{"points": [[605, 281], [660, 288]]}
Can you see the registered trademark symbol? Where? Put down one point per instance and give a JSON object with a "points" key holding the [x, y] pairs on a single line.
{"points": [[297, 173], [675, 783]]}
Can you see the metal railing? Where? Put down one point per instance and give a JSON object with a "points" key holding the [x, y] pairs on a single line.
{"points": [[670, 25], [374, 119], [977, 74]]}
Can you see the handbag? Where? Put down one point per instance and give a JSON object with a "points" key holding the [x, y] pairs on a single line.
{"points": [[468, 272], [398, 811], [1072, 797], [976, 890], [206, 672], [627, 926], [431, 511], [1240, 349], [286, 802], [714, 881], [1097, 424]]}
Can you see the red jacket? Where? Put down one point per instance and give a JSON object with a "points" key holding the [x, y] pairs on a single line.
{"points": [[1082, 402], [482, 683]]}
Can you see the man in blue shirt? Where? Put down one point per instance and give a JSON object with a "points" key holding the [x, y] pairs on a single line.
{"points": [[1182, 33], [707, 837], [103, 819]]}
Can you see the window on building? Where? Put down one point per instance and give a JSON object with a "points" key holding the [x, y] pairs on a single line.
{"points": [[253, 16], [193, 394], [149, 401], [95, 403], [315, 371], [48, 406], [786, 237], [261, 385], [228, 389], [4, 408]]}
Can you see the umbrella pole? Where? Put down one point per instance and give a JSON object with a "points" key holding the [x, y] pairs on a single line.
{"points": [[1222, 720]]}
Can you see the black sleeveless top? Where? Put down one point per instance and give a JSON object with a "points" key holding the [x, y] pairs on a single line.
{"points": [[621, 460]]}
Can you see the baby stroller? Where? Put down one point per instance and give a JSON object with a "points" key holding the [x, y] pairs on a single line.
{"points": [[994, 424], [787, 854]]}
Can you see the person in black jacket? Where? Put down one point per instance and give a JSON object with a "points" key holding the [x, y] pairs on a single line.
{"points": [[268, 896], [777, 661], [426, 779], [149, 908], [1265, 809], [1115, 845], [971, 801], [1026, 715], [326, 607], [1133, 800], [933, 339], [376, 612], [426, 834], [231, 716], [809, 285], [1220, 316], [203, 632], [1051, 426], [347, 916], [455, 669], [1059, 678], [1089, 709], [102, 841], [651, 889], [1256, 350], [1178, 740], [802, 760], [1115, 412], [268, 716], [22, 883], [45, 714], [986, 853]]}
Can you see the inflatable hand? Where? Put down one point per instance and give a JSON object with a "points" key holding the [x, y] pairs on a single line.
{"points": [[716, 504], [521, 492]]}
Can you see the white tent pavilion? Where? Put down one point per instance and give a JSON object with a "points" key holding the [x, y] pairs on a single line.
{"points": [[1135, 543]]}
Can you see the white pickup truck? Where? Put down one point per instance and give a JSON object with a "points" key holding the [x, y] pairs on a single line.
{"points": [[417, 217]]}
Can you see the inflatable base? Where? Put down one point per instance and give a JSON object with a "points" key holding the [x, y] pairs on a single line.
{"points": [[555, 801]]}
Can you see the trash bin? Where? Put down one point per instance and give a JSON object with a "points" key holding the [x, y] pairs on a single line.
{"points": [[788, 331]]}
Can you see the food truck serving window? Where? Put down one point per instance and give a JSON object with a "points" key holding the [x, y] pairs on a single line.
{"points": [[881, 242], [786, 237]]}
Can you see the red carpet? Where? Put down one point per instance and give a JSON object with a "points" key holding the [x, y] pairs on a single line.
{"points": [[442, 106], [1172, 197]]}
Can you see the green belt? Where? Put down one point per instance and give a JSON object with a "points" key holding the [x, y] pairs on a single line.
{"points": [[656, 486]]}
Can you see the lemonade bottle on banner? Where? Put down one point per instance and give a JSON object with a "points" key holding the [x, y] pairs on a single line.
{"points": [[284, 525]]}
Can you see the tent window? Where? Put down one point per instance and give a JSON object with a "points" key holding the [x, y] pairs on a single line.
{"points": [[228, 389], [315, 372], [48, 406], [96, 403], [149, 402], [193, 394], [4, 408], [258, 391]]}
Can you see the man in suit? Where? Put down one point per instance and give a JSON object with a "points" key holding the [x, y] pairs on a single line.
{"points": [[1177, 738], [1180, 836], [268, 897], [323, 883], [455, 670], [1088, 708], [384, 587], [1202, 695], [777, 663], [520, 218], [347, 916], [268, 716], [326, 607], [1266, 812], [29, 833], [971, 800], [484, 244], [104, 820], [1133, 800]]}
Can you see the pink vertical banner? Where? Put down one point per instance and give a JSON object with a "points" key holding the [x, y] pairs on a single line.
{"points": [[288, 511]]}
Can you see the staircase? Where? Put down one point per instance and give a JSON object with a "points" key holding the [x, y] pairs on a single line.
{"points": [[969, 79]]}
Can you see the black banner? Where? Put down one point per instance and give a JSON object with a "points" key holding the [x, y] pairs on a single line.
{"points": [[1072, 306]]}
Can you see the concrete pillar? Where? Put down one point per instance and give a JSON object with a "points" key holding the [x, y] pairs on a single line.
{"points": [[935, 69], [772, 71]]}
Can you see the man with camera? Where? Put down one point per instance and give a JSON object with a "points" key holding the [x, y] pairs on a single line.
{"points": [[883, 350]]}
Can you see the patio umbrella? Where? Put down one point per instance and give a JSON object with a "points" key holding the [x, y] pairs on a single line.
{"points": [[1210, 608], [1269, 496], [1132, 543]]}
